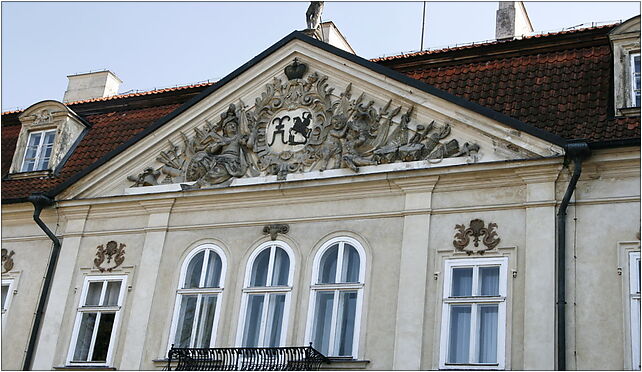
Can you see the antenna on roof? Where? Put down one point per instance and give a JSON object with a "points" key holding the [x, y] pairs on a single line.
{"points": [[423, 24]]}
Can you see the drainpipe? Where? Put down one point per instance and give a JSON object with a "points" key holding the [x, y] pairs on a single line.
{"points": [[577, 152], [40, 202]]}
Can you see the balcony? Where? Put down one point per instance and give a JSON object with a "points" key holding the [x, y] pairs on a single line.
{"points": [[298, 358]]}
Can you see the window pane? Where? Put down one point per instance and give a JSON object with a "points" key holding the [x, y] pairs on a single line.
{"points": [[636, 63], [345, 323], [93, 293], [459, 340], [28, 165], [84, 336], [5, 291], [260, 269], [322, 320], [253, 320], [214, 267], [193, 274], [350, 269], [274, 320], [205, 321], [328, 265], [281, 268], [489, 281], [487, 342], [49, 138], [103, 336], [111, 294], [462, 281], [185, 321]]}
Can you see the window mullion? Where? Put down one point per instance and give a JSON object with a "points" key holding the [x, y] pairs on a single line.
{"points": [[94, 332], [472, 357], [270, 272], [206, 257], [103, 291], [197, 311], [39, 151], [263, 323], [337, 274], [333, 322]]}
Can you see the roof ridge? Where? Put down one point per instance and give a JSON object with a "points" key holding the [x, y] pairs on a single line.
{"points": [[487, 43], [127, 95]]}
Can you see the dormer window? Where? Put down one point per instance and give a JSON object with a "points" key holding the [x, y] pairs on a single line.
{"points": [[38, 151], [625, 40], [635, 79], [49, 130]]}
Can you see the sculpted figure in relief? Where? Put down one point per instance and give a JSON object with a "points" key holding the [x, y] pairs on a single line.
{"points": [[218, 157]]}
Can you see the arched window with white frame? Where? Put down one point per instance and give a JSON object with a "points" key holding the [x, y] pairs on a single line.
{"points": [[198, 298], [266, 296], [334, 316]]}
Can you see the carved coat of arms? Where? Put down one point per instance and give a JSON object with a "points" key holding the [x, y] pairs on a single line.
{"points": [[300, 125]]}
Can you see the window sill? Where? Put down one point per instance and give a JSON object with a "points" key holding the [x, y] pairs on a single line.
{"points": [[344, 363], [629, 111], [84, 368], [34, 174]]}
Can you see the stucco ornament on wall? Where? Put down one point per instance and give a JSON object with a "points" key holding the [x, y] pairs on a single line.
{"points": [[299, 125], [476, 229], [275, 229], [112, 251], [7, 260]]}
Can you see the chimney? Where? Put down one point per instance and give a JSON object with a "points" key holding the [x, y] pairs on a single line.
{"points": [[512, 20], [330, 34], [91, 85]]}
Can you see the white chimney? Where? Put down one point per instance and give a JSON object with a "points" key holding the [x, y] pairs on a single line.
{"points": [[512, 20], [331, 35], [91, 85]]}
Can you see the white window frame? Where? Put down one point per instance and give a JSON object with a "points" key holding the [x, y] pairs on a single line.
{"points": [[336, 288], [268, 289], [7, 301], [448, 301], [634, 300], [199, 291], [38, 159], [117, 309], [632, 77]]}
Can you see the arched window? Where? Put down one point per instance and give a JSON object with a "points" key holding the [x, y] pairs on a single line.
{"points": [[198, 298], [337, 294], [266, 296]]}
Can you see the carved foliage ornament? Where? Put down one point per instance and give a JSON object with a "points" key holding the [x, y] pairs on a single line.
{"points": [[274, 230], [112, 252], [476, 230], [7, 260], [300, 125]]}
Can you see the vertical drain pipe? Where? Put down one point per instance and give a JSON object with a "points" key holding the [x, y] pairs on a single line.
{"points": [[39, 202], [577, 152]]}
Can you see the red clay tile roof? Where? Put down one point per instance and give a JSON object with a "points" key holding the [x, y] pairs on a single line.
{"points": [[559, 82], [566, 91]]}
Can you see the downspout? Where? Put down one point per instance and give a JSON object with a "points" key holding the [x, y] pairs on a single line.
{"points": [[577, 152], [40, 202]]}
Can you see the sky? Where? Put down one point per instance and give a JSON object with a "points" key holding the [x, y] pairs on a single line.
{"points": [[151, 45]]}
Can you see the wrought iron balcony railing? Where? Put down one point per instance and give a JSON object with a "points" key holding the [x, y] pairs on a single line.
{"points": [[298, 358]]}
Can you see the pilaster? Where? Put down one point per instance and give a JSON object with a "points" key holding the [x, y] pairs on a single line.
{"points": [[157, 222], [45, 355], [413, 272], [539, 268]]}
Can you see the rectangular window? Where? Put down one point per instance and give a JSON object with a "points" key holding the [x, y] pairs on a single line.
{"points": [[473, 326], [7, 294], [635, 79], [38, 150], [97, 320], [634, 295]]}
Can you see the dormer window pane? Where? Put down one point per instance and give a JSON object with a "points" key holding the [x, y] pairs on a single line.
{"points": [[38, 151], [635, 79]]}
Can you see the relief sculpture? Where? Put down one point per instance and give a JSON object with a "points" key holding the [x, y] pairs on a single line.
{"points": [[300, 125]]}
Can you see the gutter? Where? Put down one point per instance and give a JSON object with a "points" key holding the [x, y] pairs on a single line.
{"points": [[577, 152], [40, 202]]}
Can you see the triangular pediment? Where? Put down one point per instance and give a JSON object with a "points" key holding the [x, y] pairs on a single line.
{"points": [[306, 109]]}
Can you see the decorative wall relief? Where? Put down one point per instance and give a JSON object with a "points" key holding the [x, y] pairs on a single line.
{"points": [[476, 230], [274, 230], [7, 260], [299, 125], [113, 251]]}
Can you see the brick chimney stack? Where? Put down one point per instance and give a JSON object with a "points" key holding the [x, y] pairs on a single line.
{"points": [[512, 20]]}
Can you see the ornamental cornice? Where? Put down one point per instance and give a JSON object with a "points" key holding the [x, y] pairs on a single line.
{"points": [[79, 212], [157, 206], [539, 174]]}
